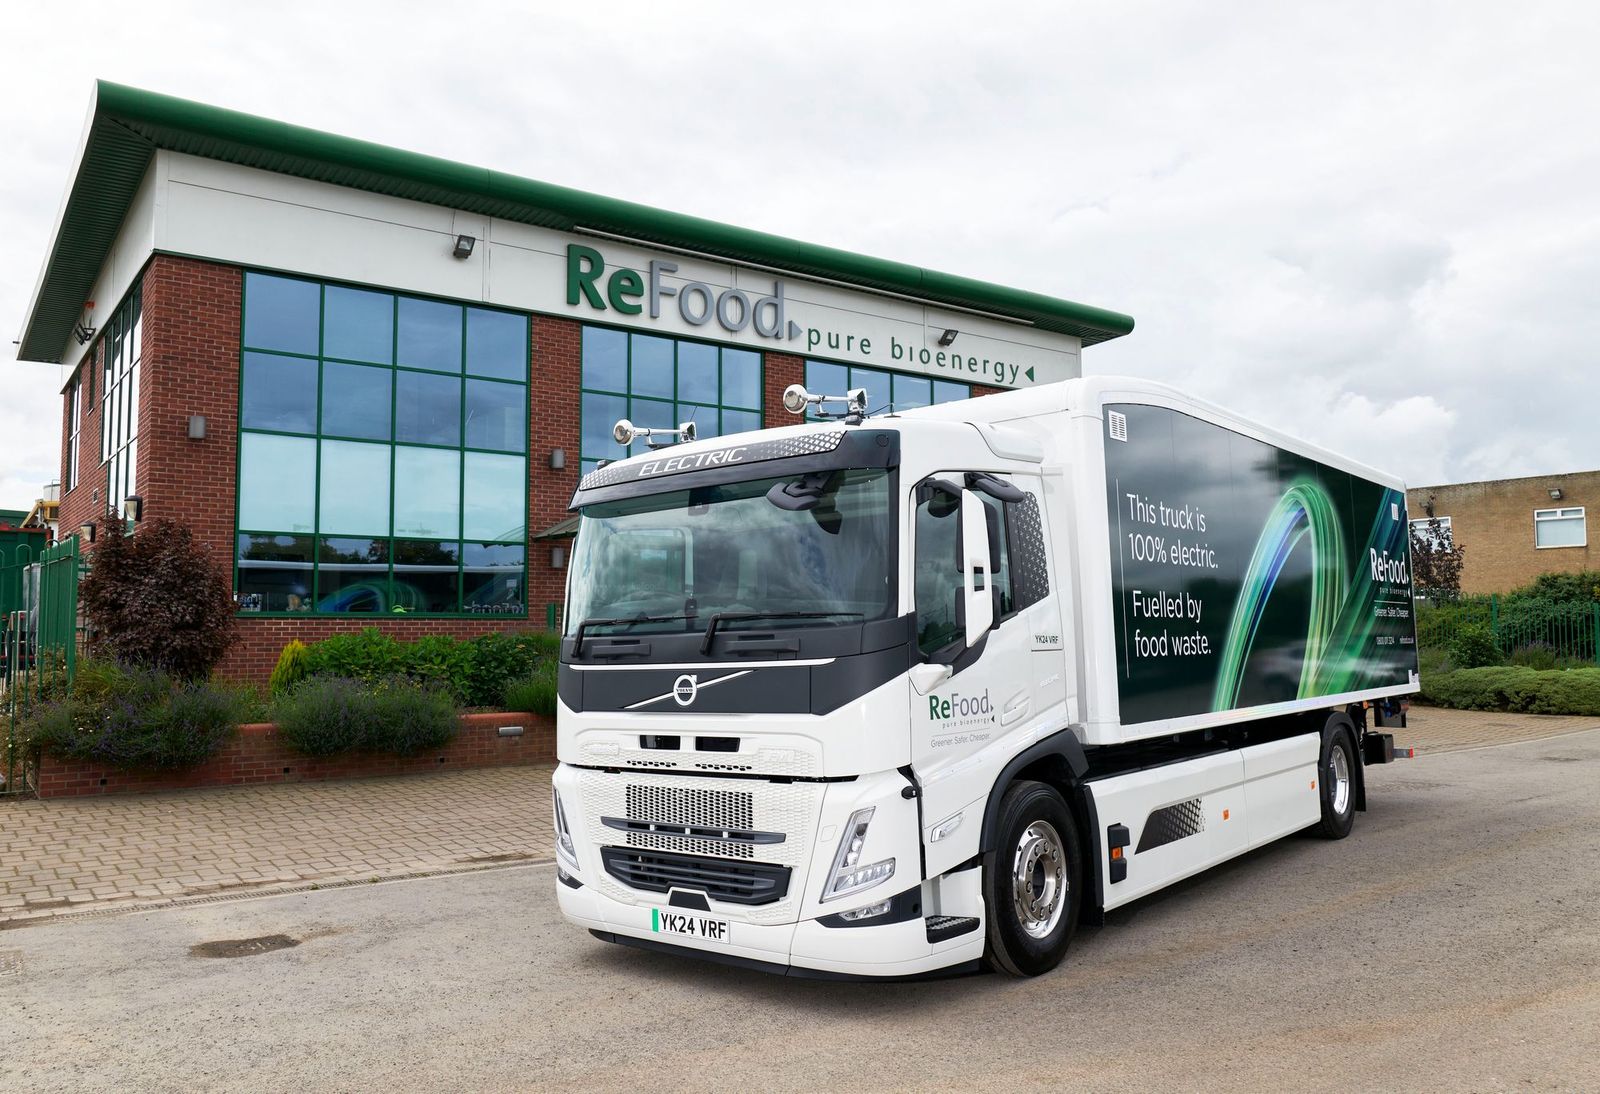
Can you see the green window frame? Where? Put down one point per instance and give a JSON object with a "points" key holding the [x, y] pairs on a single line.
{"points": [[310, 541], [905, 390], [626, 388], [123, 350]]}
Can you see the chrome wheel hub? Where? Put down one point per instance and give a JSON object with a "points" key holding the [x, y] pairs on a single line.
{"points": [[1339, 776], [1039, 879]]}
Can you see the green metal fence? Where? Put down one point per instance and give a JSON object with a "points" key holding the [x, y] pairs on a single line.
{"points": [[39, 638], [1567, 631]]}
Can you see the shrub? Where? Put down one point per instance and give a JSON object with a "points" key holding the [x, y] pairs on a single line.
{"points": [[1581, 587], [132, 717], [475, 672], [535, 693], [1473, 646], [1513, 688], [158, 599], [325, 716], [1534, 655], [292, 667]]}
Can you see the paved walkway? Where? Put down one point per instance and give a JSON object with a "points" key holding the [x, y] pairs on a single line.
{"points": [[64, 855], [61, 855]]}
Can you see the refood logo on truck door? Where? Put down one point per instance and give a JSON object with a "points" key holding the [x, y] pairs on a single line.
{"points": [[960, 718]]}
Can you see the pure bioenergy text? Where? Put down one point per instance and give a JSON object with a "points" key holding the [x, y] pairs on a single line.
{"points": [[1165, 536]]}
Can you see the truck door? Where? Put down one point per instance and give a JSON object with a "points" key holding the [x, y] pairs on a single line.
{"points": [[993, 690]]}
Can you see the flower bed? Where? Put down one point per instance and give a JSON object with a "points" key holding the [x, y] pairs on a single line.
{"points": [[259, 755]]}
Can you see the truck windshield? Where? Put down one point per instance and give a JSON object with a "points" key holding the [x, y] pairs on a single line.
{"points": [[670, 562]]}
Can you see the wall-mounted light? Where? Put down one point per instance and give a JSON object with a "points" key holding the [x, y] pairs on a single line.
{"points": [[558, 459], [558, 558], [86, 532], [1555, 493], [197, 427], [464, 246], [947, 337], [133, 508]]}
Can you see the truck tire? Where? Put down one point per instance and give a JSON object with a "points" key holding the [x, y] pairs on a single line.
{"points": [[1032, 877], [1337, 785]]}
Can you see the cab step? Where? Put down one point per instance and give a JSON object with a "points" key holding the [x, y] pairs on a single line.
{"points": [[944, 927]]}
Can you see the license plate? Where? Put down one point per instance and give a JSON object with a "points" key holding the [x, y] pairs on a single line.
{"points": [[701, 928]]}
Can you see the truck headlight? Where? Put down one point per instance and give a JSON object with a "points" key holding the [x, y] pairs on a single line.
{"points": [[849, 875], [565, 851]]}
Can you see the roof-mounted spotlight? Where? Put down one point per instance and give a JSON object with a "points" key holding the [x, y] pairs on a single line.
{"points": [[625, 433], [464, 245], [796, 399], [948, 336]]}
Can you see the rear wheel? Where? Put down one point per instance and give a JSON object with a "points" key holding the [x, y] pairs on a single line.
{"points": [[1031, 885], [1336, 774]]}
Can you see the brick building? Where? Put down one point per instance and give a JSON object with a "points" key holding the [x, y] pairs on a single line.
{"points": [[370, 379], [1513, 530]]}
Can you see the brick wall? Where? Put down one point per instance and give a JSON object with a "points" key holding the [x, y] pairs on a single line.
{"points": [[557, 366], [258, 755], [778, 372], [1493, 522]]}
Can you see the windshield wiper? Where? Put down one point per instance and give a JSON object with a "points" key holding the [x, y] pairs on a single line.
{"points": [[577, 636], [720, 617]]}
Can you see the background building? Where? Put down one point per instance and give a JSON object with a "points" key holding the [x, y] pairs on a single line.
{"points": [[370, 379], [1513, 530]]}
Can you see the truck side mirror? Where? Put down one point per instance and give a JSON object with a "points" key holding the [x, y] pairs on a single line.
{"points": [[977, 568]]}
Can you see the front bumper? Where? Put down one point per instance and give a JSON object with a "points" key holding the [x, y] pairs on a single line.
{"points": [[890, 950]]}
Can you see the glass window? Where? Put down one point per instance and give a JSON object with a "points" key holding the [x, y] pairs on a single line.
{"points": [[355, 401], [353, 575], [430, 335], [1006, 602], [277, 479], [1560, 527], [605, 359], [741, 378], [497, 415], [428, 503], [911, 392], [493, 578], [697, 372], [354, 455], [905, 390], [652, 366], [274, 573], [670, 381], [938, 575], [494, 500], [358, 325], [427, 408], [354, 495], [497, 344], [119, 400], [281, 313], [427, 576], [600, 414], [278, 393], [740, 421]]}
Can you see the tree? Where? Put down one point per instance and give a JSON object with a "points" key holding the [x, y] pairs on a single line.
{"points": [[158, 599], [1436, 559]]}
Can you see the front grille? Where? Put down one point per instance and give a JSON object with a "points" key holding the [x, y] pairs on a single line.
{"points": [[681, 805], [720, 879]]}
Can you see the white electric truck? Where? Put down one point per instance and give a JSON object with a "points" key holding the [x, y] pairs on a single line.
{"points": [[894, 695]]}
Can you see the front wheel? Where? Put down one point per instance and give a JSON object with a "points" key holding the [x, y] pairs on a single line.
{"points": [[1338, 788], [1031, 879]]}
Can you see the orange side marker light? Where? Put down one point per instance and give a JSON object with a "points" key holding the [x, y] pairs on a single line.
{"points": [[1313, 784], [1224, 814], [1116, 853]]}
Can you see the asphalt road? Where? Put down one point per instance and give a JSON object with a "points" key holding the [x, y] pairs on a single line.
{"points": [[1452, 942]]}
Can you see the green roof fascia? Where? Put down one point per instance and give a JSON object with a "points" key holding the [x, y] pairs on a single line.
{"points": [[127, 126]]}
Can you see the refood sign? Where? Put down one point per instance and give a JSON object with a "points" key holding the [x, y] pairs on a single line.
{"points": [[763, 315]]}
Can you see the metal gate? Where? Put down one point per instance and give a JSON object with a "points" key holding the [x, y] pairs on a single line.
{"points": [[39, 638]]}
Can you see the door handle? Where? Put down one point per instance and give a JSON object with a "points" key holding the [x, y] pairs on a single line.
{"points": [[1014, 710]]}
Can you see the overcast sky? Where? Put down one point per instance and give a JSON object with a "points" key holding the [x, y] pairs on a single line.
{"points": [[1376, 225]]}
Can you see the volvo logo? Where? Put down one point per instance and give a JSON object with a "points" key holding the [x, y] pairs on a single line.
{"points": [[684, 689]]}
